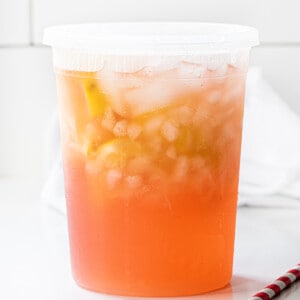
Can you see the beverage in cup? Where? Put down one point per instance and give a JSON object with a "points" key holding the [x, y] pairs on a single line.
{"points": [[151, 122]]}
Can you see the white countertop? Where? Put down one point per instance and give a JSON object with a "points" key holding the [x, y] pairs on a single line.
{"points": [[34, 260]]}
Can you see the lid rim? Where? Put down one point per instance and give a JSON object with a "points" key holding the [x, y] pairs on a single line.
{"points": [[69, 36]]}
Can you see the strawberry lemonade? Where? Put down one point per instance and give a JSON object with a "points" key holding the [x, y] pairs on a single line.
{"points": [[151, 151]]}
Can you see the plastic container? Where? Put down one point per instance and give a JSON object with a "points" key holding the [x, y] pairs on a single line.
{"points": [[151, 124]]}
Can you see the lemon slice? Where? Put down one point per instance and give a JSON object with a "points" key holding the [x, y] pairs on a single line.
{"points": [[96, 100], [117, 152]]}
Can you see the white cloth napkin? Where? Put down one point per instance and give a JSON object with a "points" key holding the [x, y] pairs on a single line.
{"points": [[270, 162]]}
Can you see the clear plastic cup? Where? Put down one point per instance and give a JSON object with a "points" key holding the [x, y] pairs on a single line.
{"points": [[151, 124]]}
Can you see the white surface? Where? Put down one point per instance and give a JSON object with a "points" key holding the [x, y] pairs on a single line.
{"points": [[14, 22], [35, 262], [277, 21], [27, 100]]}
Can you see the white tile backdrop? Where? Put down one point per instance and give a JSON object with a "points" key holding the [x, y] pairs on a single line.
{"points": [[14, 22], [27, 85], [277, 20]]}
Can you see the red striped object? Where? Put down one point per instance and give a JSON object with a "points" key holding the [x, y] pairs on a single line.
{"points": [[278, 285]]}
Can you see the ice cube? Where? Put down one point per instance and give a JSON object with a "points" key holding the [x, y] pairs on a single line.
{"points": [[150, 97], [123, 64], [120, 129], [130, 82], [155, 144], [212, 63], [221, 71], [234, 60], [169, 131], [214, 96], [235, 89], [134, 130], [194, 84], [108, 156], [134, 181], [110, 84], [201, 114], [153, 124], [190, 70], [183, 115], [113, 177], [109, 119], [238, 60]]}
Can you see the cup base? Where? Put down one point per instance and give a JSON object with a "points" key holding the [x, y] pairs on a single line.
{"points": [[156, 293]]}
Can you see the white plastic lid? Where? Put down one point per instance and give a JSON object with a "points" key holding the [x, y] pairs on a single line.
{"points": [[150, 37]]}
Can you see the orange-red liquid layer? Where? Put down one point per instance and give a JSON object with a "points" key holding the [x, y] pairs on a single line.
{"points": [[151, 194]]}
